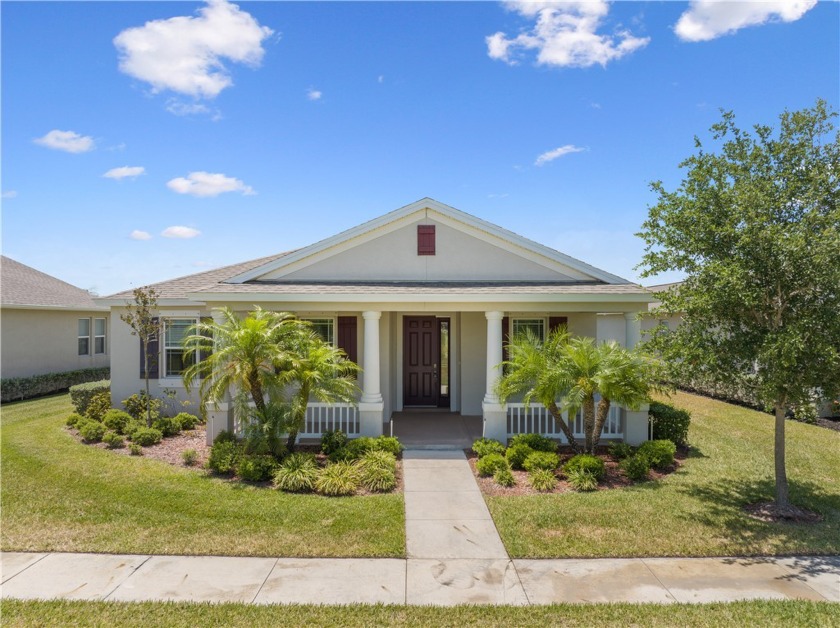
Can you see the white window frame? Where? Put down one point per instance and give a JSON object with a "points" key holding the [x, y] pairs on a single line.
{"points": [[542, 319], [103, 336], [164, 347], [86, 337], [323, 319]]}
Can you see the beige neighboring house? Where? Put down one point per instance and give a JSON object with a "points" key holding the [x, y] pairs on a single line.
{"points": [[48, 325], [649, 321], [423, 298]]}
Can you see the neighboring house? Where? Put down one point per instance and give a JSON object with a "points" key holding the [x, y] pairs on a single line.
{"points": [[649, 321], [47, 325], [423, 298]]}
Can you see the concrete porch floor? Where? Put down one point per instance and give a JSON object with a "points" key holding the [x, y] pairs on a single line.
{"points": [[435, 429]]}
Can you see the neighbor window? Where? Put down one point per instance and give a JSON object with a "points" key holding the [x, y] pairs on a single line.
{"points": [[99, 335], [534, 326], [84, 336], [324, 327], [175, 330]]}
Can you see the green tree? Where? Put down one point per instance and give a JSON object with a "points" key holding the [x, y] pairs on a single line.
{"points": [[567, 374], [140, 317], [755, 227]]}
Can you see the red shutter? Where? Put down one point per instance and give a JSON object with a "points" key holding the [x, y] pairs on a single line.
{"points": [[425, 239], [152, 351], [505, 337], [347, 337], [556, 321]]}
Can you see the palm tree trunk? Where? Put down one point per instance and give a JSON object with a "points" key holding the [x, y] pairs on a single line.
{"points": [[781, 475], [558, 417], [299, 413], [600, 419], [255, 387], [589, 423]]}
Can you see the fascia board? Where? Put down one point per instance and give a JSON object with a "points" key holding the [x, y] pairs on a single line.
{"points": [[422, 298]]}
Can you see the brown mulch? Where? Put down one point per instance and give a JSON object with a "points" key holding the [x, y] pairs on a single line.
{"points": [[830, 424], [614, 477], [771, 513]]}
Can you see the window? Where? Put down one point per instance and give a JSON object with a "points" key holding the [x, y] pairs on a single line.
{"points": [[174, 360], [84, 336], [99, 335], [324, 327], [534, 326]]}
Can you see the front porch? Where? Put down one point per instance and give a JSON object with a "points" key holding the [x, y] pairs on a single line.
{"points": [[434, 429]]}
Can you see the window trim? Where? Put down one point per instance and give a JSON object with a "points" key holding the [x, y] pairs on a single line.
{"points": [[542, 319], [333, 320], [103, 335], [164, 346], [86, 337]]}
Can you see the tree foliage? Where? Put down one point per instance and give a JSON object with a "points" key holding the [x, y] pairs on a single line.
{"points": [[140, 317]]}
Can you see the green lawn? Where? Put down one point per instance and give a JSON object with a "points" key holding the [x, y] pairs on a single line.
{"points": [[697, 510], [754, 613], [59, 495]]}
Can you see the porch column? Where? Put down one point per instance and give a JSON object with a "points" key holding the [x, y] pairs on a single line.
{"points": [[495, 414], [219, 415], [635, 422], [633, 330], [371, 405]]}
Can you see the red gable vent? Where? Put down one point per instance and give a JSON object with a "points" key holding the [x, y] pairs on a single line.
{"points": [[425, 239]]}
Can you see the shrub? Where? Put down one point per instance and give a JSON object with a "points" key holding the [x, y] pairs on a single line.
{"points": [[504, 477], [516, 455], [344, 454], [189, 456], [225, 437], [255, 468], [81, 394], [188, 421], [378, 460], [135, 450], [297, 473], [581, 479], [377, 479], [138, 402], [131, 427], [146, 436], [388, 443], [113, 440], [332, 440], [537, 442], [585, 462], [542, 479], [92, 431], [340, 478], [98, 405], [620, 451], [541, 460], [223, 457], [489, 464], [636, 467], [660, 453], [116, 420], [669, 423], [358, 447], [17, 388], [485, 446], [167, 426], [73, 419]]}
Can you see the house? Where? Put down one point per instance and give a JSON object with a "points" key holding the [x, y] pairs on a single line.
{"points": [[423, 298], [48, 325], [649, 321]]}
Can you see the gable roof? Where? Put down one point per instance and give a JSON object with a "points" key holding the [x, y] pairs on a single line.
{"points": [[22, 286]]}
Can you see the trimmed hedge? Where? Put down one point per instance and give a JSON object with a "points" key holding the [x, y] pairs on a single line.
{"points": [[669, 423], [81, 394], [19, 388]]}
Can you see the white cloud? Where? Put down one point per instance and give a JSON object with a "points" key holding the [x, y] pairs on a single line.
{"points": [[709, 19], [179, 108], [9, 194], [208, 184], [313, 94], [124, 172], [551, 155], [380, 78], [185, 54], [565, 34], [180, 232], [68, 141], [140, 235]]}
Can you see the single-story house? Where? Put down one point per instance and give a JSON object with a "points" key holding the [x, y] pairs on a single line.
{"points": [[423, 299], [48, 325]]}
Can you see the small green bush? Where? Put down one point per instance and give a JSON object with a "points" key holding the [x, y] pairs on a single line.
{"points": [[582, 480], [92, 431], [81, 394], [542, 480], [541, 460], [344, 454], [332, 440], [377, 479], [537, 442], [669, 423], [113, 440], [620, 451], [504, 477], [585, 462], [358, 447], [255, 468], [636, 467], [167, 426], [297, 473], [378, 460], [189, 456], [146, 436], [137, 404], [516, 455], [489, 464], [188, 421], [660, 453], [485, 446], [340, 478], [131, 427], [225, 437], [73, 419], [135, 450], [116, 420], [223, 457], [98, 405], [388, 443]]}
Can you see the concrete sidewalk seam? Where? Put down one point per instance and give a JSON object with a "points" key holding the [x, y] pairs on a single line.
{"points": [[521, 584], [267, 576], [25, 568], [662, 584], [111, 592]]}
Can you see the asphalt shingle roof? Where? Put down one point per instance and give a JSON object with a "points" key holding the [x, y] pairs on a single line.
{"points": [[21, 285]]}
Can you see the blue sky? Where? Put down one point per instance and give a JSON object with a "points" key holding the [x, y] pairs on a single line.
{"points": [[232, 133]]}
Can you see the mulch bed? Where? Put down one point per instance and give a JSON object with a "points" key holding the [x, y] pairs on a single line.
{"points": [[830, 424]]}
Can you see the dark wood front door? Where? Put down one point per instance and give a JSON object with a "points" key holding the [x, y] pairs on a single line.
{"points": [[421, 361]]}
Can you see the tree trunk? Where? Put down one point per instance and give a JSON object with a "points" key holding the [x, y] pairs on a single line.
{"points": [[146, 375], [299, 419], [600, 419], [558, 417], [781, 475], [255, 387], [589, 423]]}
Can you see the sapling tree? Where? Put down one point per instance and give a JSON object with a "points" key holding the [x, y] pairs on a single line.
{"points": [[140, 317]]}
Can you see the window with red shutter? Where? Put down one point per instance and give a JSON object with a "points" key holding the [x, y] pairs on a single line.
{"points": [[425, 239]]}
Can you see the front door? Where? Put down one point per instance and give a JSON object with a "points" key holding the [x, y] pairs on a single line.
{"points": [[421, 361]]}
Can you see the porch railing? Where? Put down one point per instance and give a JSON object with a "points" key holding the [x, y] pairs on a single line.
{"points": [[536, 419], [321, 417]]}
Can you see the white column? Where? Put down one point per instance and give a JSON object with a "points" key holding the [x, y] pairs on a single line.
{"points": [[219, 415], [495, 414], [633, 329], [371, 405]]}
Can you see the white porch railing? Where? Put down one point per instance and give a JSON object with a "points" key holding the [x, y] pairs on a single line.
{"points": [[321, 417], [536, 419]]}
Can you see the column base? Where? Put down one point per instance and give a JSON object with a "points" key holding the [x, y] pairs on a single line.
{"points": [[219, 418], [495, 421], [371, 416]]}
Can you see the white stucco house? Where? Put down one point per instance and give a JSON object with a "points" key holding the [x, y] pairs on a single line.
{"points": [[423, 299]]}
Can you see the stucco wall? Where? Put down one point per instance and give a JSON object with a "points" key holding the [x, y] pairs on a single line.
{"points": [[46, 341]]}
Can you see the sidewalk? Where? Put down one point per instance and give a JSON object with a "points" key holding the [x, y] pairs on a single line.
{"points": [[455, 556]]}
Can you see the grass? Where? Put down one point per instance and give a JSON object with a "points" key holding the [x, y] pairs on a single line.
{"points": [[697, 510], [751, 613], [59, 495]]}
